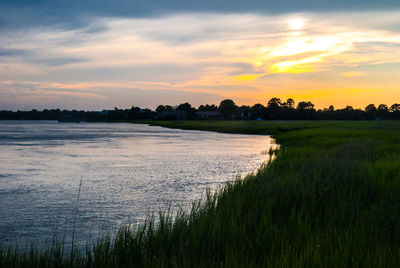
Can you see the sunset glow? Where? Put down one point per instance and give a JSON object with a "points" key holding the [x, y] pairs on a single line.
{"points": [[173, 59]]}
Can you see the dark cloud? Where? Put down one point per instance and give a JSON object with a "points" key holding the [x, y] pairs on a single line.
{"points": [[70, 14], [35, 57], [5, 52]]}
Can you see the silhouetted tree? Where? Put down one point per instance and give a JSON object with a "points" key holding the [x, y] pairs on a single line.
{"points": [[227, 108], [258, 111], [187, 110], [289, 103], [395, 107], [274, 103], [383, 107], [349, 113], [288, 109], [305, 110], [274, 108], [184, 107], [117, 115], [326, 113], [160, 108], [383, 111], [395, 111], [169, 108], [349, 108], [370, 112], [164, 108], [305, 105], [134, 113], [146, 114], [207, 107], [370, 108], [244, 112]]}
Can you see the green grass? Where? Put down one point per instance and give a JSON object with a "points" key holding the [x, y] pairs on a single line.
{"points": [[331, 198]]}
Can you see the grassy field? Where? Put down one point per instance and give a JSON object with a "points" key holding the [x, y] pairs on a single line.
{"points": [[331, 198]]}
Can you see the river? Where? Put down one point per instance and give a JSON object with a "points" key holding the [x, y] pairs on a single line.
{"points": [[127, 172]]}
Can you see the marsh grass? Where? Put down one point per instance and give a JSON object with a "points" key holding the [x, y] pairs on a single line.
{"points": [[329, 199]]}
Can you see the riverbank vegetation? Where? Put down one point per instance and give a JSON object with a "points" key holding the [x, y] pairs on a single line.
{"points": [[329, 199]]}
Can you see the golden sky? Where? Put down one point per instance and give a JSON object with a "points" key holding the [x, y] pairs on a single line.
{"points": [[341, 59]]}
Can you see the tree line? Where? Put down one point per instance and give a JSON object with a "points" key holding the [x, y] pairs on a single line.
{"points": [[274, 109]]}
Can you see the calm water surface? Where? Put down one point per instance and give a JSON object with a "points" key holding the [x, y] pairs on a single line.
{"points": [[127, 170]]}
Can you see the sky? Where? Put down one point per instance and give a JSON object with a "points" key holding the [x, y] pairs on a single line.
{"points": [[95, 55]]}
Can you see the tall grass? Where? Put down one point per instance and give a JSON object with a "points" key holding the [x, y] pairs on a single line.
{"points": [[329, 199]]}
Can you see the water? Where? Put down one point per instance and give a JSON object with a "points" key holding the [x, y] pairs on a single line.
{"points": [[127, 171]]}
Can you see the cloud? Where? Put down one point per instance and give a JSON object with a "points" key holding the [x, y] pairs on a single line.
{"points": [[250, 57], [4, 52], [34, 95]]}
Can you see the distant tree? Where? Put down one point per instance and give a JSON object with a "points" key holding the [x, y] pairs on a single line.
{"points": [[146, 114], [370, 108], [258, 111], [186, 110], [383, 107], [227, 108], [327, 113], [164, 108], [383, 111], [160, 108], [371, 112], [349, 108], [212, 107], [305, 105], [116, 115], [207, 107], [134, 113], [244, 112], [348, 113], [305, 110], [184, 107], [274, 108], [289, 103], [395, 111], [169, 108], [288, 109], [274, 103], [395, 107]]}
